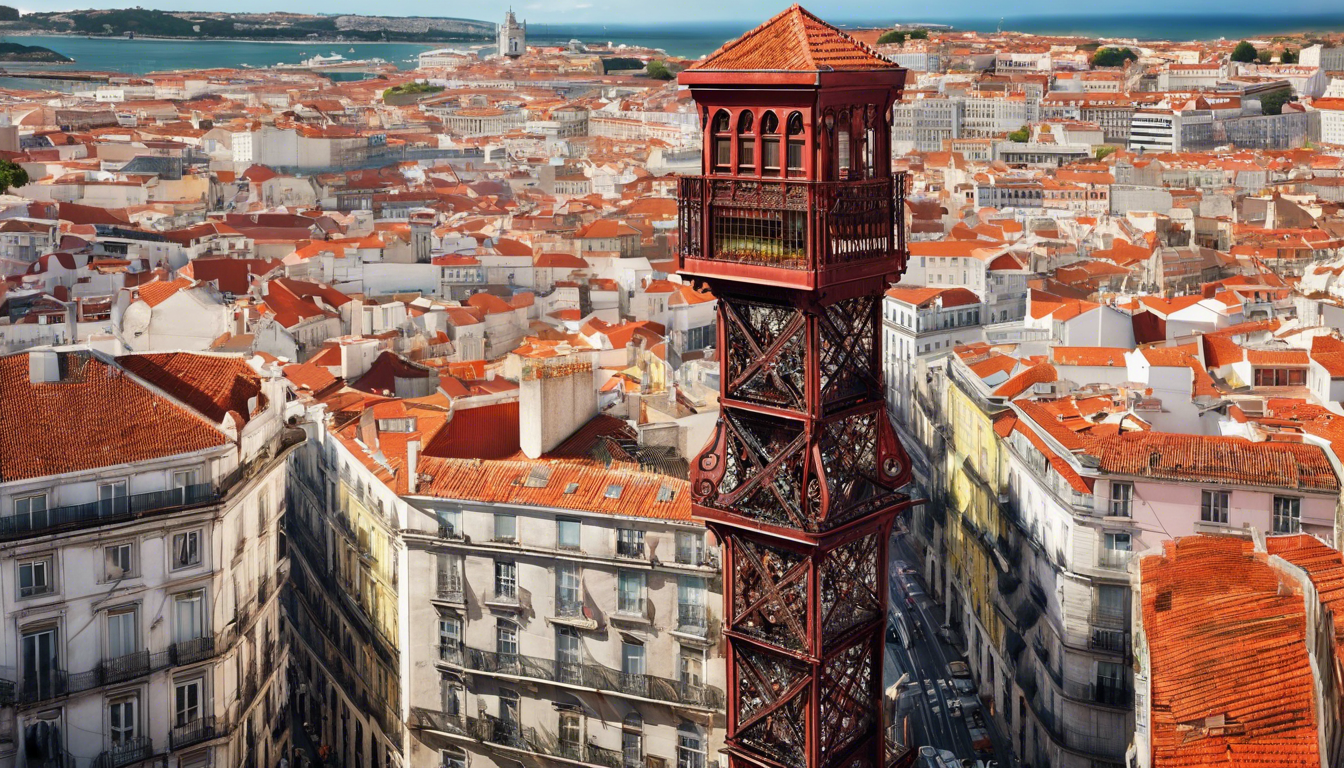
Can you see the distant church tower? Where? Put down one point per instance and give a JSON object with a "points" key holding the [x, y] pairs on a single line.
{"points": [[512, 36]]}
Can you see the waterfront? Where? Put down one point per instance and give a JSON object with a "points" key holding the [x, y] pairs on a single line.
{"points": [[142, 55]]}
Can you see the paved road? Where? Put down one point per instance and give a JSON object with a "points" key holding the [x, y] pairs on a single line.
{"points": [[931, 687]]}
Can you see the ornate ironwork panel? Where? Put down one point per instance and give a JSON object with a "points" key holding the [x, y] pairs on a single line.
{"points": [[770, 594], [849, 458], [780, 732], [848, 338], [763, 462], [849, 579], [847, 711], [766, 356]]}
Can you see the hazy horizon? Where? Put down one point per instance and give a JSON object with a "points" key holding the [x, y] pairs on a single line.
{"points": [[566, 12]]}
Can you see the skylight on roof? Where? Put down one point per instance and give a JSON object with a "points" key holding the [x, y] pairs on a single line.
{"points": [[572, 487], [666, 493], [538, 476], [613, 491]]}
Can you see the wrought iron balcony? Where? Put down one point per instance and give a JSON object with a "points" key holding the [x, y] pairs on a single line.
{"points": [[43, 686], [193, 732], [629, 549], [568, 608], [697, 556], [493, 730], [1114, 559], [125, 753], [693, 617], [450, 587], [106, 511], [790, 224], [585, 674], [194, 650]]}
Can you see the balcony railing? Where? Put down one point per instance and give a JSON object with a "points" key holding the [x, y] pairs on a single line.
{"points": [[107, 511], [450, 586], [193, 650], [568, 608], [791, 224], [194, 732], [1111, 640], [692, 616], [125, 753], [629, 549], [587, 675], [1114, 559], [697, 556], [493, 730], [43, 686]]}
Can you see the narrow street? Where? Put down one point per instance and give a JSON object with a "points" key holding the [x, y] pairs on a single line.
{"points": [[940, 716]]}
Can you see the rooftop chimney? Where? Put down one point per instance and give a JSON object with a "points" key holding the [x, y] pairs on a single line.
{"points": [[44, 366]]}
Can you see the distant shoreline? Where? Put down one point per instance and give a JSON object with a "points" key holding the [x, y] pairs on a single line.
{"points": [[277, 40]]}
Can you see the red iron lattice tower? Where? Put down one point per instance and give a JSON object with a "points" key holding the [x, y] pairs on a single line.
{"points": [[797, 227]]}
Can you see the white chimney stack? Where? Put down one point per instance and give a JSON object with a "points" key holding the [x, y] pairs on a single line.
{"points": [[44, 366]]}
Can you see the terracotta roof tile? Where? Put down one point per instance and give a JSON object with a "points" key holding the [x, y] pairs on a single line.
{"points": [[95, 416], [794, 41], [214, 385], [1214, 611], [1214, 459]]}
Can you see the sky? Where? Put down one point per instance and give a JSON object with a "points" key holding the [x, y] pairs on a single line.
{"points": [[642, 14]]}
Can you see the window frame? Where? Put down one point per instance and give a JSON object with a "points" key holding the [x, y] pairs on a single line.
{"points": [[560, 524], [121, 700], [129, 571], [1121, 505], [178, 710], [510, 533], [48, 569], [174, 564], [1293, 515], [1214, 506]]}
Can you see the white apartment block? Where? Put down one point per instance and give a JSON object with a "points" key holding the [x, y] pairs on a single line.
{"points": [[923, 323], [574, 621], [140, 561]]}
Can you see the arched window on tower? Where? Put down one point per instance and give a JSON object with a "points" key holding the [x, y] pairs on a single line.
{"points": [[746, 144], [796, 141], [770, 144], [723, 143]]}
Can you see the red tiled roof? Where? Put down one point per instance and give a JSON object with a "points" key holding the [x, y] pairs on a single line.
{"points": [[487, 432], [95, 416], [1214, 459], [214, 385], [157, 292], [386, 369], [1109, 357], [1325, 566], [1036, 374], [503, 482], [794, 41], [1226, 636]]}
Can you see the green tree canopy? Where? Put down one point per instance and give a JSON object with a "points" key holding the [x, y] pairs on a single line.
{"points": [[1102, 152], [1244, 52], [658, 70], [1289, 56], [919, 34], [1113, 57], [1021, 135], [1265, 56], [894, 36], [1272, 103], [11, 176]]}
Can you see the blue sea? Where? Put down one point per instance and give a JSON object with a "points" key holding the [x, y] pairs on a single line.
{"points": [[689, 40]]}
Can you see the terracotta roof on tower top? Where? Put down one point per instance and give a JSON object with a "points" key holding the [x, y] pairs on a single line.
{"points": [[794, 41]]}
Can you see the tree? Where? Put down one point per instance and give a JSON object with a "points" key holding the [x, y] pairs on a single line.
{"points": [[658, 70], [1113, 57], [1244, 52], [1264, 57], [894, 36], [1289, 56], [11, 176], [1102, 152], [1021, 135], [1272, 103], [9, 13], [920, 34]]}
